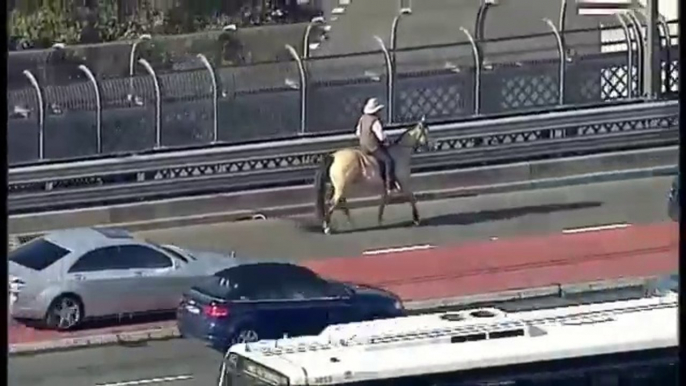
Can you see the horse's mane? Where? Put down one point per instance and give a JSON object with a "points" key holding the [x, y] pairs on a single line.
{"points": [[401, 136]]}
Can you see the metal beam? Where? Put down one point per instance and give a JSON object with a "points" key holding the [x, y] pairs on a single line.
{"points": [[651, 68]]}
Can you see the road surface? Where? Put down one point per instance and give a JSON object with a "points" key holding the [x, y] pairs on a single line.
{"points": [[181, 362], [528, 222], [446, 222]]}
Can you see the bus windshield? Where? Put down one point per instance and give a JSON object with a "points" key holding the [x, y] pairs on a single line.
{"points": [[239, 371]]}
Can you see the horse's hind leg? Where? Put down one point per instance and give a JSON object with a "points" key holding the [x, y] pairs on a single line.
{"points": [[346, 210], [415, 213], [382, 205], [335, 204]]}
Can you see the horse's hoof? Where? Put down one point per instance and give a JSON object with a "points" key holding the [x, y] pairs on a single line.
{"points": [[327, 231], [416, 222]]}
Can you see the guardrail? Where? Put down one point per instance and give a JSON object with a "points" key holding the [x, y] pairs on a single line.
{"points": [[323, 95], [136, 178]]}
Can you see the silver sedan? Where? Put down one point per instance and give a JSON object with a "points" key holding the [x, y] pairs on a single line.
{"points": [[68, 276]]}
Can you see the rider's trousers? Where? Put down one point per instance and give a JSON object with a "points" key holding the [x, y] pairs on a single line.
{"points": [[386, 164]]}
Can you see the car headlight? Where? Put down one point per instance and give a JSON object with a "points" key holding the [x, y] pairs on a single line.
{"points": [[398, 305]]}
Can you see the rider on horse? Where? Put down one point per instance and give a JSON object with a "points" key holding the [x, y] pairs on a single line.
{"points": [[373, 142]]}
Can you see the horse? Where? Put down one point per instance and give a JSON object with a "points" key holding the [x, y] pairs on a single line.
{"points": [[346, 167]]}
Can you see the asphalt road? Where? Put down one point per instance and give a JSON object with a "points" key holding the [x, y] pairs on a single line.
{"points": [[182, 362], [445, 222]]}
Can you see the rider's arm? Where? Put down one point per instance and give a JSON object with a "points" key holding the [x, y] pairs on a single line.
{"points": [[378, 130]]}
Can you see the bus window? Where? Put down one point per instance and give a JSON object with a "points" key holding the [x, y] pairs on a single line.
{"points": [[238, 371]]}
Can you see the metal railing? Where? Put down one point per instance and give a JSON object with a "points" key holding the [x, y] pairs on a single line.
{"points": [[292, 162], [323, 95]]}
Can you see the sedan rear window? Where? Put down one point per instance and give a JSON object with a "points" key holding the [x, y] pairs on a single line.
{"points": [[37, 254]]}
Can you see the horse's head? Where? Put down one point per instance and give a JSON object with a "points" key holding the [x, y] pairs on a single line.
{"points": [[420, 135]]}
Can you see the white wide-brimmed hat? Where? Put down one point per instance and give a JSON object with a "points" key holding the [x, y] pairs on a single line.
{"points": [[372, 106]]}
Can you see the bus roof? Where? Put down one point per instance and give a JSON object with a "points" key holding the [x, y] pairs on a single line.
{"points": [[470, 339]]}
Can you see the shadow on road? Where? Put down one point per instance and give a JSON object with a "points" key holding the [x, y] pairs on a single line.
{"points": [[105, 322], [465, 218]]}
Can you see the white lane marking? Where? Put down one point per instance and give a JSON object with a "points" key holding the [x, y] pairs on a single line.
{"points": [[398, 249], [148, 381], [596, 228]]}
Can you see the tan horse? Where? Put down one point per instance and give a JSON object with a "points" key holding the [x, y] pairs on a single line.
{"points": [[347, 167]]}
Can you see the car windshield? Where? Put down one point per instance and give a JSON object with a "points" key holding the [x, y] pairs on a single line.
{"points": [[37, 254], [174, 253], [219, 287]]}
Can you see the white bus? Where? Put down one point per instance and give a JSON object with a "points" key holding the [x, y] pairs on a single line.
{"points": [[630, 342]]}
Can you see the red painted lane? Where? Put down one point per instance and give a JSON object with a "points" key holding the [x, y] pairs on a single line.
{"points": [[515, 263], [481, 267]]}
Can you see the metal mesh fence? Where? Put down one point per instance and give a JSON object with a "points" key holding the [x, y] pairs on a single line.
{"points": [[263, 101]]}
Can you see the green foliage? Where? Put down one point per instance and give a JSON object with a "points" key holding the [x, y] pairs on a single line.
{"points": [[40, 24], [44, 27]]}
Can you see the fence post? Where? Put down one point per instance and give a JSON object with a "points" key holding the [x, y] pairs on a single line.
{"points": [[629, 56], [636, 26], [562, 17], [303, 87], [561, 51], [394, 29], [389, 79], [41, 113], [308, 30], [158, 102], [662, 24], [98, 107], [477, 71], [132, 61], [215, 97]]}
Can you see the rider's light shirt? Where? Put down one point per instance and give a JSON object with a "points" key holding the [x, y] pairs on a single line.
{"points": [[377, 129]]}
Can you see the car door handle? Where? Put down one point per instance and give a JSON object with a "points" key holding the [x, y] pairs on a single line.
{"points": [[138, 273]]}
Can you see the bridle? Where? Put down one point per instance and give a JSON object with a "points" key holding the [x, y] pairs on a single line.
{"points": [[415, 146]]}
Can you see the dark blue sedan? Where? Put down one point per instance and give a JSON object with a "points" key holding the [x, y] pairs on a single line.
{"points": [[271, 300]]}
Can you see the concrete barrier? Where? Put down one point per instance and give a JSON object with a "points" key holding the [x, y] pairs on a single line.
{"points": [[299, 199]]}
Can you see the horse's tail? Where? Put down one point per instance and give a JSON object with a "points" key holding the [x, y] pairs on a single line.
{"points": [[320, 180]]}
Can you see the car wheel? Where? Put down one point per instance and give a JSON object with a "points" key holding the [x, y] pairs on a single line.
{"points": [[64, 313]]}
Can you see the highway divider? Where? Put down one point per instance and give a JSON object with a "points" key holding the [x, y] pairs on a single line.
{"points": [[298, 200], [111, 181]]}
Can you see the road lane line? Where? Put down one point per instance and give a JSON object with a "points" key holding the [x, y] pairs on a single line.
{"points": [[398, 249], [596, 228], [149, 381]]}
